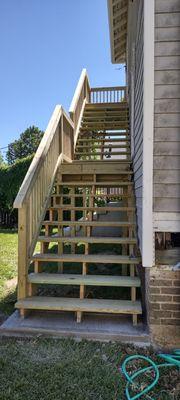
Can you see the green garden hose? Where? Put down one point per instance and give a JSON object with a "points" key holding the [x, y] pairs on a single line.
{"points": [[172, 360]]}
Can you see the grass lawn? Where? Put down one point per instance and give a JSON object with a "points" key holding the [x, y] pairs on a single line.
{"points": [[55, 369], [8, 270]]}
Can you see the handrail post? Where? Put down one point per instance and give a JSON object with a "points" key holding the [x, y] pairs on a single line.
{"points": [[22, 253]]}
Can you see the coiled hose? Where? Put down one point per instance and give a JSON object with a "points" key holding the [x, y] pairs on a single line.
{"points": [[171, 361]]}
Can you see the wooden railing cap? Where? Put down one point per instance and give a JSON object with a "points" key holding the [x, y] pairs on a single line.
{"points": [[40, 154], [82, 78]]}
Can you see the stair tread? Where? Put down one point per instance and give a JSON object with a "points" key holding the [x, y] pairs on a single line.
{"points": [[92, 183], [116, 135], [101, 153], [108, 104], [88, 280], [121, 172], [95, 195], [94, 258], [105, 140], [87, 239], [96, 209], [74, 304], [89, 223], [102, 161], [104, 146]]}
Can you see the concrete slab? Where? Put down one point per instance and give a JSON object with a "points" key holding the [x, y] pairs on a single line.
{"points": [[60, 324]]}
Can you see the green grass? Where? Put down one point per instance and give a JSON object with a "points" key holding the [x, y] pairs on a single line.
{"points": [[8, 269], [57, 369]]}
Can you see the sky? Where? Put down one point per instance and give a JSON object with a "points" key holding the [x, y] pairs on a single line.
{"points": [[44, 45]]}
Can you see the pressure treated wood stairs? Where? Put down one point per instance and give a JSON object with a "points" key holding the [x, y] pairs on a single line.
{"points": [[88, 236]]}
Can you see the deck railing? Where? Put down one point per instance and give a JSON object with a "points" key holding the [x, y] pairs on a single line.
{"points": [[108, 94], [81, 96], [33, 197]]}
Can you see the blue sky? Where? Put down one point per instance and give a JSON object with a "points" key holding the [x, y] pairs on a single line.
{"points": [[44, 46]]}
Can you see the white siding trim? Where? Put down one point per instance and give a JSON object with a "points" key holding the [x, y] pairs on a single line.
{"points": [[148, 132]]}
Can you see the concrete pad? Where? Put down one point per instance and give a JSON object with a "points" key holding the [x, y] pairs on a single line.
{"points": [[60, 324]]}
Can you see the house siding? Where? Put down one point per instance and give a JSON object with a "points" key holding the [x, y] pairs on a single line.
{"points": [[166, 181], [138, 118]]}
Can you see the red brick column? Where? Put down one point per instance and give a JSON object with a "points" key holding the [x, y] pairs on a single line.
{"points": [[163, 305]]}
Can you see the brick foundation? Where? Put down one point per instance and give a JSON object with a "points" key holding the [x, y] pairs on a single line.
{"points": [[162, 288]]}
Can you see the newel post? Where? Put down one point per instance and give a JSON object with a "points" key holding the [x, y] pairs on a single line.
{"points": [[22, 253]]}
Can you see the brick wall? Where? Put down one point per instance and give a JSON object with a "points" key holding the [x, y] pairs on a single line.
{"points": [[163, 305]]}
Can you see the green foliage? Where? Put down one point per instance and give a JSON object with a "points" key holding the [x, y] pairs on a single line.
{"points": [[26, 145], [1, 159], [11, 177]]}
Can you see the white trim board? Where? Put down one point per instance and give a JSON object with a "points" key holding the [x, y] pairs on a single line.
{"points": [[166, 222], [148, 133]]}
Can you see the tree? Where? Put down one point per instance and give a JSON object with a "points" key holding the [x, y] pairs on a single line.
{"points": [[1, 159], [26, 145]]}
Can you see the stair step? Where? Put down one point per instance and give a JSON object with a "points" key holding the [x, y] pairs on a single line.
{"points": [[119, 161], [95, 209], [89, 223], [105, 115], [103, 146], [102, 153], [119, 172], [87, 280], [89, 258], [111, 113], [106, 135], [87, 239], [105, 118], [105, 140], [97, 184], [106, 106], [86, 305], [124, 196], [105, 125]]}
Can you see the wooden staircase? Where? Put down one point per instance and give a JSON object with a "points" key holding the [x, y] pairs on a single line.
{"points": [[82, 256]]}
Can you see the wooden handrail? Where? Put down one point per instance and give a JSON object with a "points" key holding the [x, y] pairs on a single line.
{"points": [[81, 96], [32, 200], [113, 94]]}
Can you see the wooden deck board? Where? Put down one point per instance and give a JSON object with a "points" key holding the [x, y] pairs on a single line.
{"points": [[88, 280], [86, 305], [88, 258], [86, 239]]}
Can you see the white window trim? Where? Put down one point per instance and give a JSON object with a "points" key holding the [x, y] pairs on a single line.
{"points": [[148, 133]]}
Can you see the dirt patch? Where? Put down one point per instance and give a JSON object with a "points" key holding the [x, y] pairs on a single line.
{"points": [[11, 283]]}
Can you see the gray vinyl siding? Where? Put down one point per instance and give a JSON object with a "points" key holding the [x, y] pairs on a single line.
{"points": [[138, 118], [167, 107]]}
